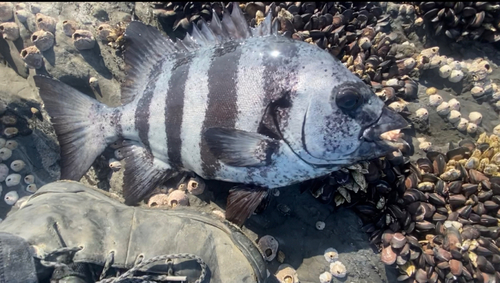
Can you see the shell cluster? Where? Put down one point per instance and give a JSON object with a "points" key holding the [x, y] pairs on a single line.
{"points": [[174, 197], [450, 110], [460, 20], [436, 219], [16, 177], [43, 38]]}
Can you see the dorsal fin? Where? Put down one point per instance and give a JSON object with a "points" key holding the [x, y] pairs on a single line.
{"points": [[146, 45]]}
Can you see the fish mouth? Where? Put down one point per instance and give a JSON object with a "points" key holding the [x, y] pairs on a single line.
{"points": [[386, 132]]}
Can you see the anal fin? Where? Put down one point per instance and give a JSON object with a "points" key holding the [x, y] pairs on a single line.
{"points": [[240, 148], [143, 172], [242, 202]]}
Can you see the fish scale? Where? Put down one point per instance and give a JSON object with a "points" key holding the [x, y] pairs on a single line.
{"points": [[228, 103]]}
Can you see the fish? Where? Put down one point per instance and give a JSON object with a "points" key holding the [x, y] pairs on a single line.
{"points": [[228, 102]]}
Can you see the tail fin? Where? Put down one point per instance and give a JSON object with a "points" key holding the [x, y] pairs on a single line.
{"points": [[80, 123]]}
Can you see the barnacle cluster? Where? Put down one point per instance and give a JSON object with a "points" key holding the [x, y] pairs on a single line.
{"points": [[17, 178], [172, 197]]}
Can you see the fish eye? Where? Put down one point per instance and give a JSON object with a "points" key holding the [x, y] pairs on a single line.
{"points": [[348, 99]]}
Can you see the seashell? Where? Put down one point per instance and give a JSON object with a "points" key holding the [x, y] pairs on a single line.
{"points": [[287, 274], [477, 91], [158, 200], [10, 132], [106, 33], [398, 241], [17, 165], [69, 27], [177, 198], [451, 175], [456, 76], [365, 43], [44, 22], [32, 57], [196, 186], [431, 91], [43, 40], [462, 124], [325, 277], [11, 198], [435, 100], [338, 269], [5, 153], [425, 146], [29, 179], [388, 256], [115, 165], [93, 82], [471, 128], [4, 172], [443, 109], [445, 71], [31, 188], [269, 247], [83, 39], [11, 144], [22, 15], [475, 117], [454, 104], [119, 154], [320, 225], [430, 52], [6, 11], [496, 130], [10, 31], [331, 255], [13, 180], [9, 120], [422, 114], [454, 116], [490, 169]]}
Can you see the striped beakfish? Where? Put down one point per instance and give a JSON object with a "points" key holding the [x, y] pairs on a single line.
{"points": [[228, 102]]}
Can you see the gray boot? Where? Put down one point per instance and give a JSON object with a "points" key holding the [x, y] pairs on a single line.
{"points": [[71, 225]]}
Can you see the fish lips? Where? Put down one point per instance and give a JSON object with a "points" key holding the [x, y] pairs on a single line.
{"points": [[389, 120]]}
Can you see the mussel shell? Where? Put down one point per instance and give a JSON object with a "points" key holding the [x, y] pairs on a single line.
{"points": [[458, 153], [425, 165], [438, 161], [455, 187], [471, 145], [468, 12]]}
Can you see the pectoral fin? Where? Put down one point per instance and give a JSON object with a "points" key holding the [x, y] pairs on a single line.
{"points": [[242, 202], [142, 173], [240, 148]]}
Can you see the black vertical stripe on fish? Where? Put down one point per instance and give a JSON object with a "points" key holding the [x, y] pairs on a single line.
{"points": [[174, 108], [142, 115], [222, 107]]}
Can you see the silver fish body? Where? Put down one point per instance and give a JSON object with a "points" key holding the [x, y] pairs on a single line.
{"points": [[268, 111]]}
